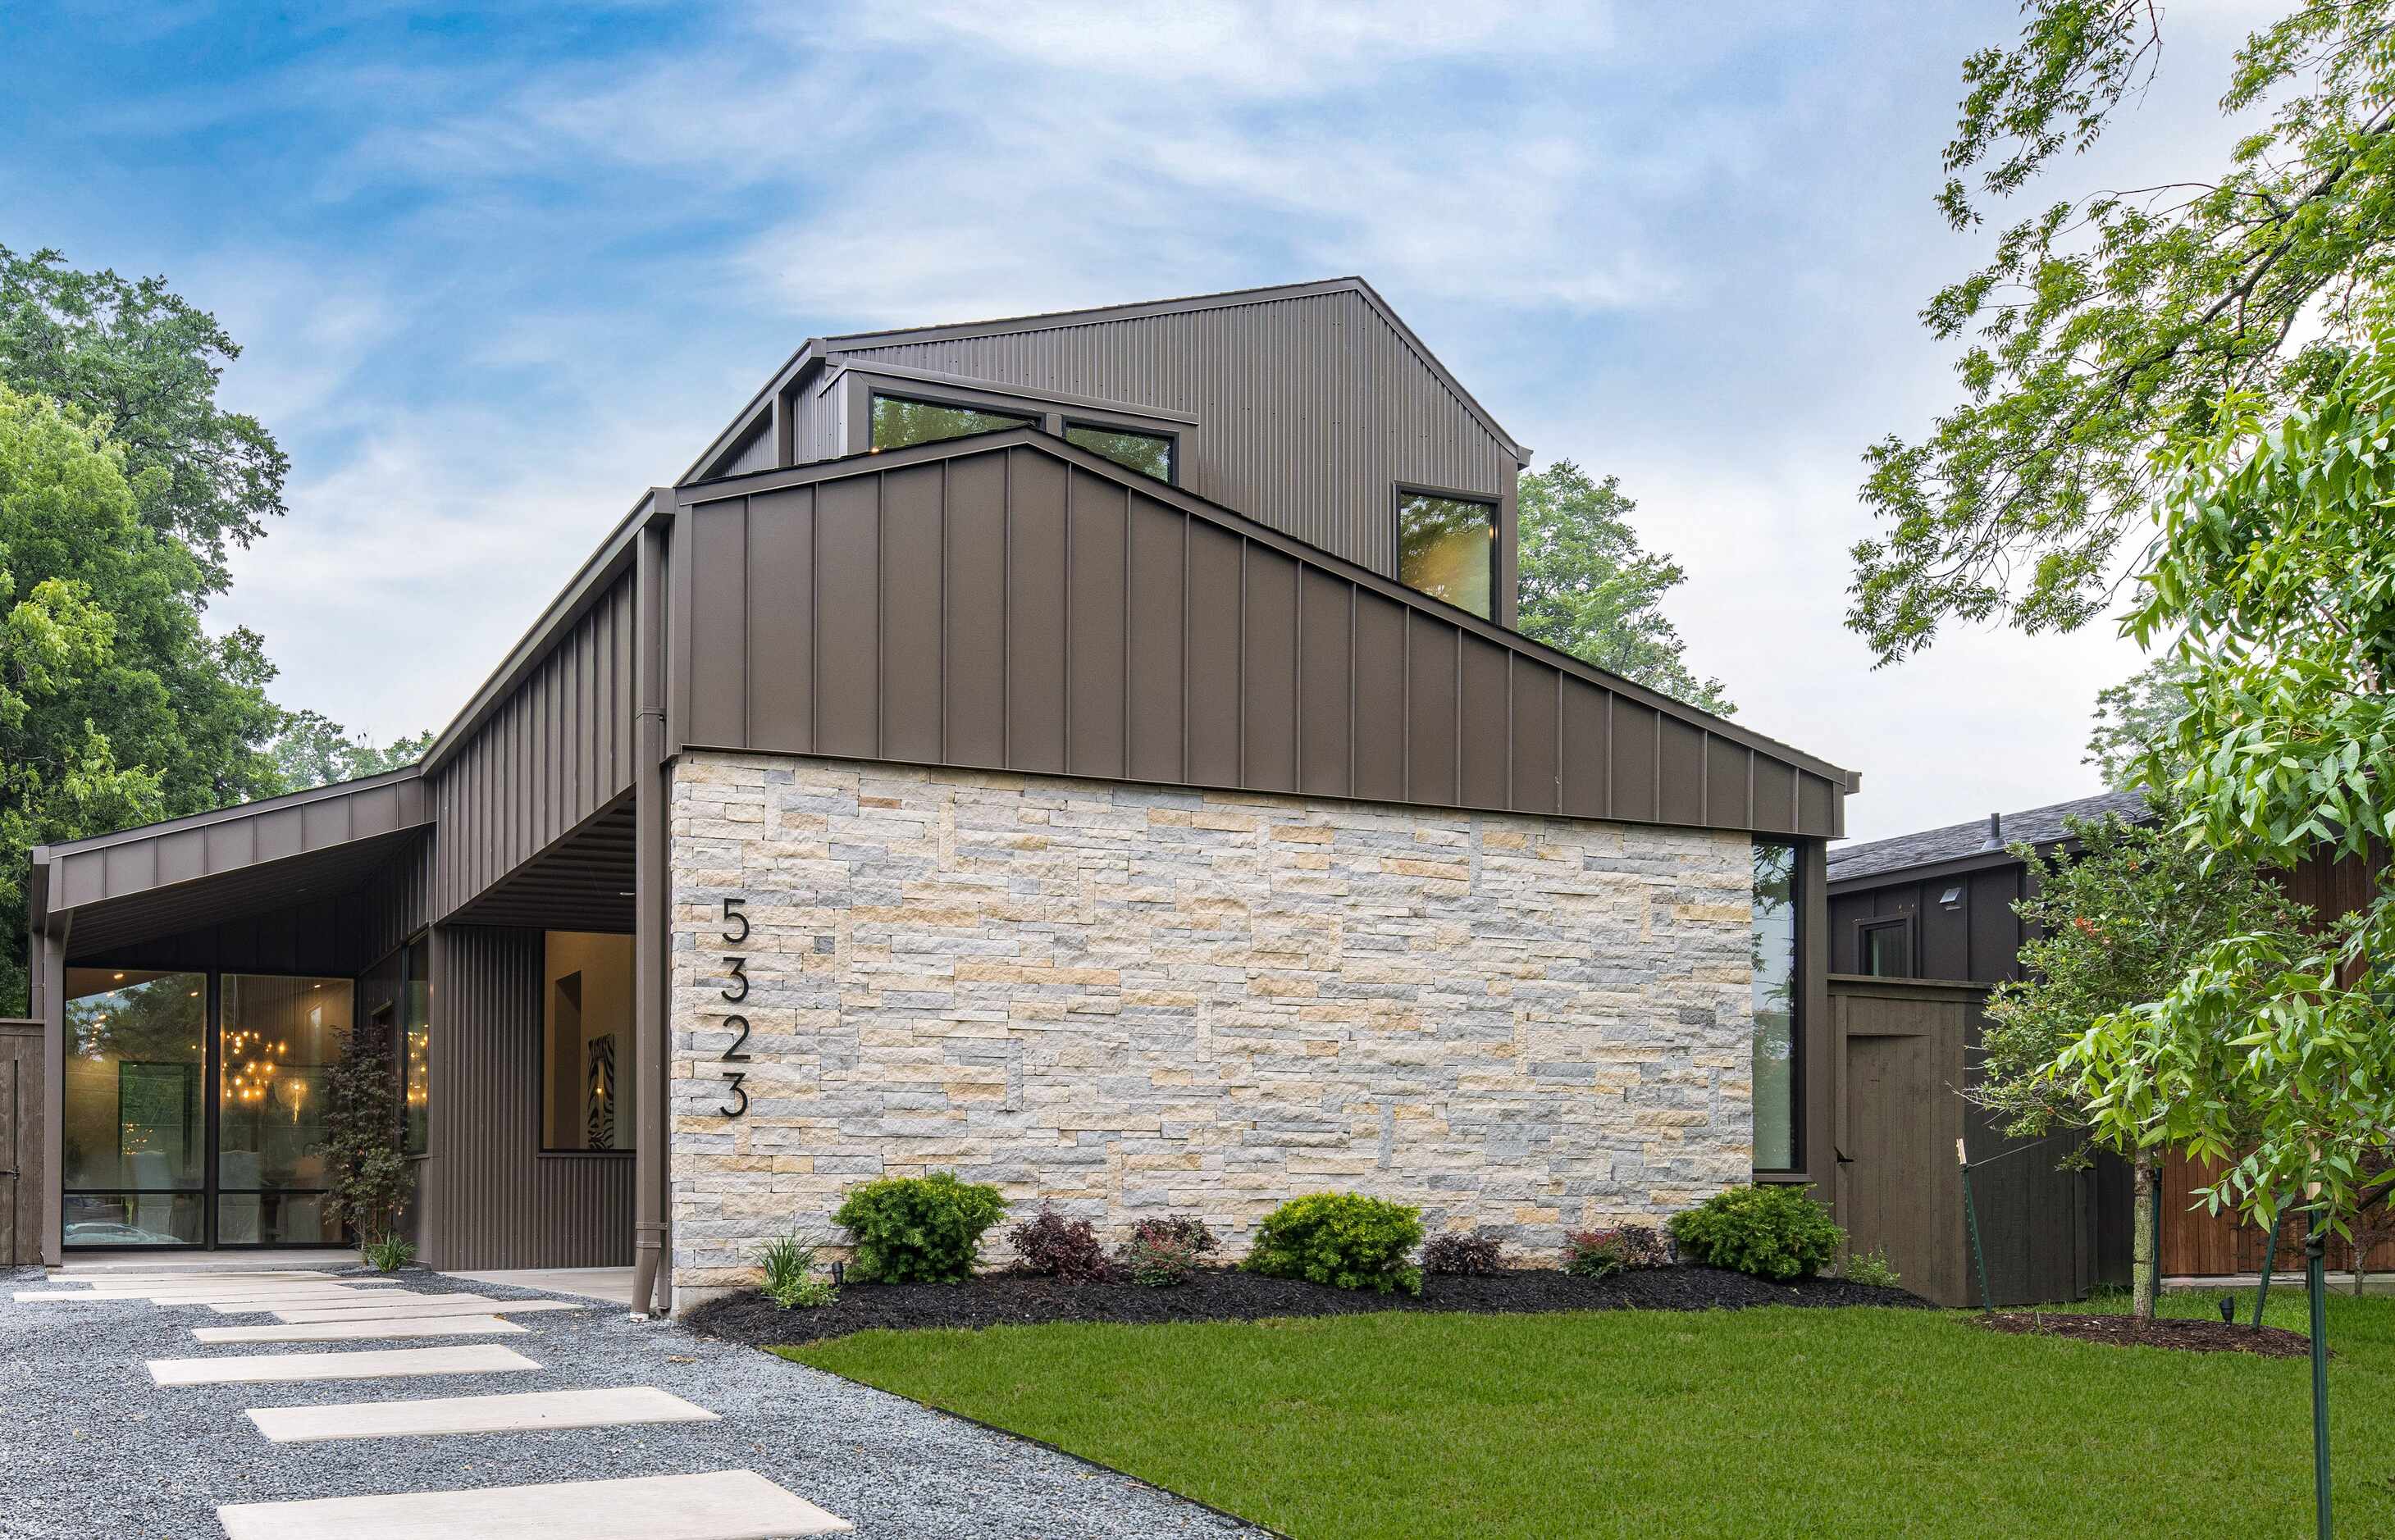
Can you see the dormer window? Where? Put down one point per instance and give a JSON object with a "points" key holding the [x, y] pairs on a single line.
{"points": [[900, 420], [1446, 546]]}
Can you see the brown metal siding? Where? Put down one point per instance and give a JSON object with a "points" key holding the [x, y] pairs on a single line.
{"points": [[1004, 607], [1309, 410], [555, 752], [498, 1201]]}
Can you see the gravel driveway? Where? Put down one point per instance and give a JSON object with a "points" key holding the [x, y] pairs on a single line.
{"points": [[92, 1448]]}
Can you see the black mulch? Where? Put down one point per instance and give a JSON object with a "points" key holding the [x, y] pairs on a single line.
{"points": [[2128, 1331], [1228, 1295]]}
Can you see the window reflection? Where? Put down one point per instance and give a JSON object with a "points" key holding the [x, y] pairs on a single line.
{"points": [[277, 1038], [1445, 548], [898, 422], [1774, 975], [1149, 453], [134, 1131]]}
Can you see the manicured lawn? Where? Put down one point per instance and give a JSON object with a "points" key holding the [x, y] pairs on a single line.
{"points": [[1763, 1422]]}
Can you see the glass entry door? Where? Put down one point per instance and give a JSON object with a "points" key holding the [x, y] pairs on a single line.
{"points": [[134, 1134], [276, 1039]]}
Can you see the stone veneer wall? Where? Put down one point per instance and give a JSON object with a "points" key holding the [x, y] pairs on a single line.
{"points": [[1139, 1001]]}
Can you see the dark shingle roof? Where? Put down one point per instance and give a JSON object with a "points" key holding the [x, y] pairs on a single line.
{"points": [[2037, 825]]}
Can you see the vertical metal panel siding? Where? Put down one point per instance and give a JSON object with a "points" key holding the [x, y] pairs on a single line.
{"points": [[554, 753], [499, 1203], [1003, 609], [1310, 409]]}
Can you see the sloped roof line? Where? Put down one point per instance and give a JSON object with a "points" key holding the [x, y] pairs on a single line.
{"points": [[1239, 523], [814, 349], [1956, 841]]}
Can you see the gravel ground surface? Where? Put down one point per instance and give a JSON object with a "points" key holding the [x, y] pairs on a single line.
{"points": [[1222, 1294], [92, 1448]]}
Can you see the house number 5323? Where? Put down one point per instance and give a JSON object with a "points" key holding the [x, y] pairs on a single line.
{"points": [[734, 991]]}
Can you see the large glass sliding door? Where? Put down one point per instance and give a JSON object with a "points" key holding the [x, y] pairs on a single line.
{"points": [[276, 1039], [135, 1131]]}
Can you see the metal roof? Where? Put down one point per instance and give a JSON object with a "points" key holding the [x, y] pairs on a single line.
{"points": [[2038, 826]]}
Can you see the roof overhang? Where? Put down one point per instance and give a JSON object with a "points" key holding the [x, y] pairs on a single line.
{"points": [[232, 863]]}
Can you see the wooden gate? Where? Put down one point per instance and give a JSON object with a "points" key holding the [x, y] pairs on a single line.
{"points": [[20, 1143], [1906, 1051]]}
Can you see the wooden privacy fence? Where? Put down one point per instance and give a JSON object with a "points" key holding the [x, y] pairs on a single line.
{"points": [[1906, 1050], [2201, 1245], [20, 1142]]}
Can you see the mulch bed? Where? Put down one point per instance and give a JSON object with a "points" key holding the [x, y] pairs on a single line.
{"points": [[1228, 1295], [2128, 1331]]}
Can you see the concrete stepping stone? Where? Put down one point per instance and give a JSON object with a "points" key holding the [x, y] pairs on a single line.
{"points": [[530, 1411], [413, 1311], [721, 1505], [364, 1300], [479, 1358], [209, 1297], [356, 1331]]}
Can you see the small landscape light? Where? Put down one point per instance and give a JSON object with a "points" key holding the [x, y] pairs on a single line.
{"points": [[839, 1273], [2227, 1308]]}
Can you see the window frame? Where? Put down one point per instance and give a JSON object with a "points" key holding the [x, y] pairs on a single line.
{"points": [[206, 1191], [1799, 992], [1865, 926], [1172, 441], [1051, 412], [542, 1149], [1493, 501]]}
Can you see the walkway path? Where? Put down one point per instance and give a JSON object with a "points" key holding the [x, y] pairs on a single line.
{"points": [[439, 1412]]}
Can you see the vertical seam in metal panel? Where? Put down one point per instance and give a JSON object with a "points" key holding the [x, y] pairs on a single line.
{"points": [[814, 622], [1006, 609], [1126, 633], [1704, 777], [1297, 687], [880, 616], [1511, 727], [1750, 789], [1406, 688], [1559, 740], [1458, 783], [941, 671], [1188, 519], [1071, 539], [1659, 767], [1352, 689], [1609, 777], [748, 631], [1239, 776]]}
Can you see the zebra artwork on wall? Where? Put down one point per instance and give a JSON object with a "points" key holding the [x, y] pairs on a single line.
{"points": [[600, 1124]]}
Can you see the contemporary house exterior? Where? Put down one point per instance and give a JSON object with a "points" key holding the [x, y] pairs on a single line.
{"points": [[1088, 752]]}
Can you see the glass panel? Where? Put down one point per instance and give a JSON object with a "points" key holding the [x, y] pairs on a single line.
{"points": [[898, 422], [1775, 1006], [1446, 547], [134, 1131], [1886, 950], [416, 1044], [277, 1038], [1149, 453], [587, 1057], [133, 1219]]}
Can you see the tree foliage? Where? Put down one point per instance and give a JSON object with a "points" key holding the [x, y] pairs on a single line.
{"points": [[2104, 322], [133, 354], [1587, 588], [2276, 563], [2137, 718], [115, 706], [311, 749]]}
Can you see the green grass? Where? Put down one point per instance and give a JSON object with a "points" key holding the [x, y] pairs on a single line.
{"points": [[1751, 1423]]}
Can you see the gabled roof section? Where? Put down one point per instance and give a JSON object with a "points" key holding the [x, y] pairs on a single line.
{"points": [[814, 351], [2038, 826], [1011, 602]]}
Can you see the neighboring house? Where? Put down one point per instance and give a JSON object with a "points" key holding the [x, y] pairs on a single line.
{"points": [[1086, 752], [1937, 905]]}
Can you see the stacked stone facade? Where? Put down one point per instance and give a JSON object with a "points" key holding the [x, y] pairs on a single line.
{"points": [[1137, 1001]]}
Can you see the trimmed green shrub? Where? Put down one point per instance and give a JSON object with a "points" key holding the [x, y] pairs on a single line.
{"points": [[920, 1230], [1776, 1231], [1343, 1239], [390, 1254]]}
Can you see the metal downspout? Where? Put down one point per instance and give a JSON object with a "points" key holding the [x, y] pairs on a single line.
{"points": [[652, 1279]]}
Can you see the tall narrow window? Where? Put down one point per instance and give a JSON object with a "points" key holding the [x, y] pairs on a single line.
{"points": [[898, 421], [415, 1045], [1775, 986], [276, 1039], [587, 1065], [135, 1133], [1884, 948], [1149, 453], [1447, 547]]}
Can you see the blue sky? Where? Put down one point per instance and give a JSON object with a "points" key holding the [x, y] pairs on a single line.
{"points": [[496, 272]]}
